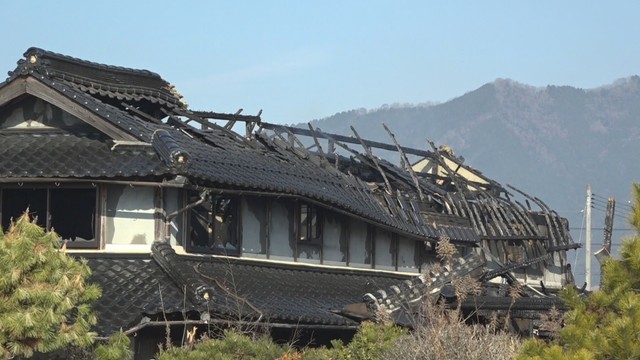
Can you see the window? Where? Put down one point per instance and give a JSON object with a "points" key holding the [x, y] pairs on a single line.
{"points": [[309, 247], [310, 224], [70, 212], [214, 226]]}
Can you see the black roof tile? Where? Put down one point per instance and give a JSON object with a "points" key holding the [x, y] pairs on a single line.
{"points": [[100, 79], [132, 287], [137, 286], [216, 156], [59, 155], [290, 295]]}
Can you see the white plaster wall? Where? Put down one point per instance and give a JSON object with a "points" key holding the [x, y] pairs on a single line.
{"points": [[357, 244], [309, 253], [406, 255], [384, 257], [251, 226], [332, 230], [130, 215], [279, 238]]}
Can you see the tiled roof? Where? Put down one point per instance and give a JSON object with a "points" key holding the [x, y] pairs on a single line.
{"points": [[222, 159], [61, 155], [132, 287], [138, 286], [121, 119], [115, 82], [288, 295], [217, 158]]}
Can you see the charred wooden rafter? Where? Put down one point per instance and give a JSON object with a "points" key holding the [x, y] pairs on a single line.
{"points": [[405, 162]]}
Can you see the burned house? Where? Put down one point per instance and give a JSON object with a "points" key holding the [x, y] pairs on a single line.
{"points": [[186, 222]]}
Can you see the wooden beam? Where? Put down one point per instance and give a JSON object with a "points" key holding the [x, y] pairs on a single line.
{"points": [[230, 117], [40, 90], [12, 90], [323, 158], [346, 139], [405, 162], [375, 161]]}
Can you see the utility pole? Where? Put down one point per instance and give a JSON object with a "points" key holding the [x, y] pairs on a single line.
{"points": [[608, 224], [604, 253], [587, 262]]}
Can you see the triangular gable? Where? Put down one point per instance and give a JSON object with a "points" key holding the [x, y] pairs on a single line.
{"points": [[47, 97], [32, 114]]}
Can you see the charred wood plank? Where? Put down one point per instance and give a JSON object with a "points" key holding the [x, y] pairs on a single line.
{"points": [[323, 157], [348, 139], [142, 114], [564, 247], [511, 267], [374, 159], [227, 116], [405, 162]]}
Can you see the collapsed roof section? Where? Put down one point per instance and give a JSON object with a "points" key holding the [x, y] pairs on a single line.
{"points": [[140, 113], [131, 125]]}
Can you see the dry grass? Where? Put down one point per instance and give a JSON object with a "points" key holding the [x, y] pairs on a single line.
{"points": [[455, 340], [443, 334]]}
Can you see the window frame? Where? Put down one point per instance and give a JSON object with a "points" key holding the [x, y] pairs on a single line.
{"points": [[235, 228], [96, 242], [307, 229], [303, 226]]}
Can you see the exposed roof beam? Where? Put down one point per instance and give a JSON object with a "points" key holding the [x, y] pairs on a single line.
{"points": [[405, 162], [347, 139], [230, 117]]}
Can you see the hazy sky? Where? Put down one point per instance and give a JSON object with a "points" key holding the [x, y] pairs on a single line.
{"points": [[303, 60]]}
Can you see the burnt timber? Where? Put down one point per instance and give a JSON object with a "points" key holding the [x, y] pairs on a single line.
{"points": [[185, 220]]}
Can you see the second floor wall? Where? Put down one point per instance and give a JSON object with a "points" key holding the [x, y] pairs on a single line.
{"points": [[130, 217]]}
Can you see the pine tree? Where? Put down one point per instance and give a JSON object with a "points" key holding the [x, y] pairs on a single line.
{"points": [[44, 300], [605, 325]]}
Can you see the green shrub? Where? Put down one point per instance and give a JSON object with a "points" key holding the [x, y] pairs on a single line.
{"points": [[44, 301], [117, 348], [233, 345], [605, 325], [371, 341]]}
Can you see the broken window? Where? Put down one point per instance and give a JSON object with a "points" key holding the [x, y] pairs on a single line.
{"points": [[214, 226], [310, 223], [70, 212], [309, 233]]}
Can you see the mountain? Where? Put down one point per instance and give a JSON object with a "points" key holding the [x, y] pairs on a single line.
{"points": [[549, 142]]}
